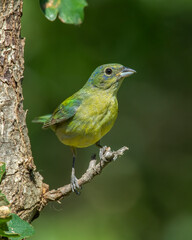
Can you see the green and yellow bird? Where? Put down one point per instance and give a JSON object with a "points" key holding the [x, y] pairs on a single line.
{"points": [[85, 117]]}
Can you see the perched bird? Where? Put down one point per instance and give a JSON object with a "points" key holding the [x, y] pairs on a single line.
{"points": [[85, 117]]}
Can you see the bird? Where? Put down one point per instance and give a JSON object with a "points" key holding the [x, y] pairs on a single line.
{"points": [[85, 117]]}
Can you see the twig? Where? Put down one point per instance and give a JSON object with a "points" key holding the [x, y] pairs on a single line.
{"points": [[106, 156]]}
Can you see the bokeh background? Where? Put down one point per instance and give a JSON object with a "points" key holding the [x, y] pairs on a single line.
{"points": [[147, 194]]}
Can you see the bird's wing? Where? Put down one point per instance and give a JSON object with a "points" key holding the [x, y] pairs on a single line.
{"points": [[65, 110]]}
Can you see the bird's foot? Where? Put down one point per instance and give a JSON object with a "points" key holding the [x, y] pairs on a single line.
{"points": [[74, 184], [105, 154]]}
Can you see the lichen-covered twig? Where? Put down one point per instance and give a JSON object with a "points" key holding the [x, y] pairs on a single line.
{"points": [[106, 156]]}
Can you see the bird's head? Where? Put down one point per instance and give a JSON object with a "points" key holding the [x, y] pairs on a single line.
{"points": [[109, 76]]}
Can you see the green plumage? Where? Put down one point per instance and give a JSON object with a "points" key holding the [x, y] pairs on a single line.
{"points": [[42, 119], [85, 117], [65, 111]]}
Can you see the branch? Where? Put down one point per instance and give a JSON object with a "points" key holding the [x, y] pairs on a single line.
{"points": [[106, 156]]}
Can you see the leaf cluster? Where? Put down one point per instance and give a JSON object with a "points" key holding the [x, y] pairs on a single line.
{"points": [[68, 11]]}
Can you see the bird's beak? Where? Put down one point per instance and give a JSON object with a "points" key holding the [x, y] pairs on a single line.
{"points": [[126, 72]]}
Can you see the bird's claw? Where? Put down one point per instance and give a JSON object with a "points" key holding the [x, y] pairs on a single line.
{"points": [[105, 153], [74, 185]]}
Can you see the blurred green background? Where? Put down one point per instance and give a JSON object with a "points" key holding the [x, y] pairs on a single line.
{"points": [[145, 195]]}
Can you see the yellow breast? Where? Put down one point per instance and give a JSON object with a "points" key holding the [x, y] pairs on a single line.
{"points": [[93, 119]]}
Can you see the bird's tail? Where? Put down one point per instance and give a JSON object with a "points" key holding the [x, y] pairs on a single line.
{"points": [[41, 119]]}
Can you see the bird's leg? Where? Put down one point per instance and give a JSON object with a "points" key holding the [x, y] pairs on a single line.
{"points": [[74, 181], [98, 144]]}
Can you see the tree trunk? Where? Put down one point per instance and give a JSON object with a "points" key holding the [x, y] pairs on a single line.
{"points": [[22, 186]]}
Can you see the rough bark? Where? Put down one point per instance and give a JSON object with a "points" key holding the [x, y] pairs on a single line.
{"points": [[21, 184]]}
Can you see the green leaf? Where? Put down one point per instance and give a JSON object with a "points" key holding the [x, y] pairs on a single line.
{"points": [[10, 235], [68, 11], [2, 170], [23, 228], [4, 230], [3, 200]]}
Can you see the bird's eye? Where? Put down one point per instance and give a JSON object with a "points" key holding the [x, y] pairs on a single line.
{"points": [[108, 71]]}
